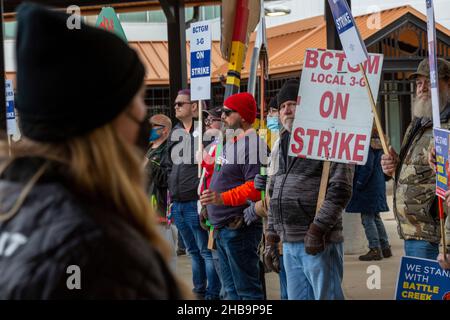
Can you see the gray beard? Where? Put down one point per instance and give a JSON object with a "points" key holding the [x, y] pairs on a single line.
{"points": [[423, 108], [288, 124]]}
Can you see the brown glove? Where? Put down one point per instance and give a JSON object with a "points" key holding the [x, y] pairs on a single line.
{"points": [[271, 253], [203, 217], [314, 240]]}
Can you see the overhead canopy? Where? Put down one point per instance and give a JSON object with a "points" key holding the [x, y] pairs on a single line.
{"points": [[286, 43], [92, 7]]}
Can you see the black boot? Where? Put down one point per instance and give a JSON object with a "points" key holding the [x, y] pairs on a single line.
{"points": [[387, 252], [373, 254]]}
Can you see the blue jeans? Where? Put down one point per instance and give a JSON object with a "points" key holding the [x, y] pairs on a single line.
{"points": [[204, 276], [215, 256], [239, 262], [181, 245], [374, 229], [316, 277], [421, 249], [283, 281]]}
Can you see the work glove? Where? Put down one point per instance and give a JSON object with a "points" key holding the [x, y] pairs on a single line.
{"points": [[203, 216], [314, 240], [271, 253], [260, 182], [250, 215]]}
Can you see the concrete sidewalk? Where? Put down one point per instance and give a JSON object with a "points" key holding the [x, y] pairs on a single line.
{"points": [[355, 271]]}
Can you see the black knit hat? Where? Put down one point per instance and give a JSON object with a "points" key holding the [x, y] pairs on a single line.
{"points": [[215, 112], [70, 81], [273, 103], [289, 91]]}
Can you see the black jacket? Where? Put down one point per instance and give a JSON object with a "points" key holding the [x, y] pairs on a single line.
{"points": [[182, 176], [55, 229], [157, 177], [369, 186]]}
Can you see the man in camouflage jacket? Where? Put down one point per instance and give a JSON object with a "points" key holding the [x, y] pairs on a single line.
{"points": [[415, 203]]}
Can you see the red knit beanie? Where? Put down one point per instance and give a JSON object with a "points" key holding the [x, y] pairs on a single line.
{"points": [[244, 103]]}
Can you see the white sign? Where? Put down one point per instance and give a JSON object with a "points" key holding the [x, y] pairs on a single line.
{"points": [[351, 40], [333, 119], [200, 61], [10, 113], [432, 60]]}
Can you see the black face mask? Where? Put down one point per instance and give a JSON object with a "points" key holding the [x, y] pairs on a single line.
{"points": [[143, 133]]}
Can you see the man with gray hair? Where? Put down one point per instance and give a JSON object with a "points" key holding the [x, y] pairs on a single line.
{"points": [[312, 243], [415, 201]]}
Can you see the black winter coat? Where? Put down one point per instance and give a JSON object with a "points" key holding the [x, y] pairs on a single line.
{"points": [[55, 229], [157, 178], [369, 186], [294, 190], [180, 164]]}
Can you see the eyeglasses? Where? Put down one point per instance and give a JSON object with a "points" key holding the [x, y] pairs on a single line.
{"points": [[180, 104], [158, 126], [227, 111]]}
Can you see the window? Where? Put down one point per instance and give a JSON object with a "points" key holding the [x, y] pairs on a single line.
{"points": [[10, 30], [209, 12], [133, 17], [154, 16]]}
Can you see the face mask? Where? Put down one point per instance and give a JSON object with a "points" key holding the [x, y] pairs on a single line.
{"points": [[154, 135], [273, 123], [143, 133]]}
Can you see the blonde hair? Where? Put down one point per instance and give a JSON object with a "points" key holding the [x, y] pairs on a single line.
{"points": [[101, 164]]}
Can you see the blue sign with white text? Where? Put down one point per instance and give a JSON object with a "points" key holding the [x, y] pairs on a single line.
{"points": [[342, 15], [200, 64], [352, 43], [10, 110], [10, 113], [422, 279], [441, 144]]}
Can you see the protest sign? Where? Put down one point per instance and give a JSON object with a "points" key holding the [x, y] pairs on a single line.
{"points": [[108, 20], [422, 279], [200, 61], [441, 142], [10, 112], [333, 119]]}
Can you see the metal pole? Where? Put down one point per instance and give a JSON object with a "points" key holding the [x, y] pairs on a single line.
{"points": [[176, 33], [2, 84], [333, 42], [200, 137]]}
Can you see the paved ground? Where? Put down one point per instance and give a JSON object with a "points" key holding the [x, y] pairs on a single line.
{"points": [[355, 271]]}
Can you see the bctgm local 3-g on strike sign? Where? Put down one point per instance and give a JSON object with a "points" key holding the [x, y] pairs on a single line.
{"points": [[333, 119], [200, 61]]}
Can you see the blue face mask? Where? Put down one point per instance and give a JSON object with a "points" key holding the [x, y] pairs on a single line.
{"points": [[154, 135], [273, 123]]}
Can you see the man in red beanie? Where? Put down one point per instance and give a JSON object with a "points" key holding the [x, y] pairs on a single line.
{"points": [[226, 199]]}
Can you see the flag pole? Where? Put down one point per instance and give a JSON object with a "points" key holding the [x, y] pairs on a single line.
{"points": [[262, 127], [238, 48], [432, 61], [442, 219], [9, 145]]}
